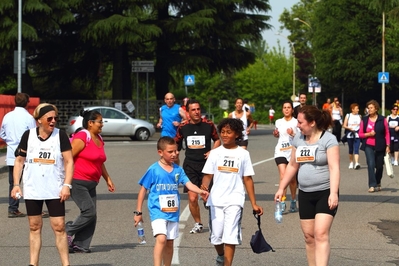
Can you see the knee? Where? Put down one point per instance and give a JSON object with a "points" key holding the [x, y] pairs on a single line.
{"points": [[35, 227], [193, 199], [309, 239]]}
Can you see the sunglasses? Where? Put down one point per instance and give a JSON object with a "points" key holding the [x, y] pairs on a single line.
{"points": [[50, 118], [395, 109]]}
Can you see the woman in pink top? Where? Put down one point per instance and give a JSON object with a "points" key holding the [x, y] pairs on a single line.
{"points": [[374, 133], [89, 157]]}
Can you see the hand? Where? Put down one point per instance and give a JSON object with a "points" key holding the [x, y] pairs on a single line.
{"points": [[159, 125], [204, 195], [278, 195], [276, 133], [175, 123], [65, 193], [258, 210], [248, 130], [137, 219], [111, 186], [333, 201], [14, 192]]}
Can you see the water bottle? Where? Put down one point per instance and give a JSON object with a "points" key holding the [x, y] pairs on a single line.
{"points": [[140, 233], [278, 212]]}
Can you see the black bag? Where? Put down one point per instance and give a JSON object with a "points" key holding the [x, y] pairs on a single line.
{"points": [[258, 242]]}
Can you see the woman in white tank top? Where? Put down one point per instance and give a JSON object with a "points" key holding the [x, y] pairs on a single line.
{"points": [[246, 119]]}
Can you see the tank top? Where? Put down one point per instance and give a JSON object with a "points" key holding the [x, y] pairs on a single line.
{"points": [[244, 120]]}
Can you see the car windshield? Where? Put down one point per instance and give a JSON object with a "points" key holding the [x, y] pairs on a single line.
{"points": [[112, 114]]}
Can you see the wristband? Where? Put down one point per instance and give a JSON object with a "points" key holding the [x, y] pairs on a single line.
{"points": [[67, 185], [137, 213]]}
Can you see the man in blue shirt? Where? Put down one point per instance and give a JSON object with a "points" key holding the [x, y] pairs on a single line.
{"points": [[15, 123]]}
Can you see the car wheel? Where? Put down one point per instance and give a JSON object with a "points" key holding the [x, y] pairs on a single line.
{"points": [[142, 134]]}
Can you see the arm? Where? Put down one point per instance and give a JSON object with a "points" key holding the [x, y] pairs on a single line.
{"points": [[77, 146], [159, 125], [333, 166], [251, 121], [289, 174], [182, 114], [68, 166], [231, 115], [107, 178], [204, 194], [206, 181], [345, 125], [18, 165], [387, 136], [249, 186], [140, 199]]}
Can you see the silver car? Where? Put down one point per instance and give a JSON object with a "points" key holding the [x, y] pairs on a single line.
{"points": [[116, 123]]}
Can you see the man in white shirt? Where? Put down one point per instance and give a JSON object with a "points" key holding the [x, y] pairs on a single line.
{"points": [[15, 123]]}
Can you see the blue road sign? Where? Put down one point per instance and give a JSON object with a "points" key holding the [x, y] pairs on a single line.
{"points": [[383, 77], [189, 80]]}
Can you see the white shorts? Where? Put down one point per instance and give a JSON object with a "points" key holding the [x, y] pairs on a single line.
{"points": [[225, 225], [164, 227]]}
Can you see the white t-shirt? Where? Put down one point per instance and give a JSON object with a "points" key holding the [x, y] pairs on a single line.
{"points": [[228, 167], [271, 112], [354, 123], [244, 120], [284, 143]]}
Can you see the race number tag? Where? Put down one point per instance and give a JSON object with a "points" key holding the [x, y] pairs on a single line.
{"points": [[196, 142], [229, 164], [393, 123], [169, 203], [43, 156], [285, 146], [306, 154]]}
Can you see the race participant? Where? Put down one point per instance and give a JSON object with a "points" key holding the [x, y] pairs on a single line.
{"points": [[246, 118], [198, 134], [286, 129], [170, 116], [302, 102]]}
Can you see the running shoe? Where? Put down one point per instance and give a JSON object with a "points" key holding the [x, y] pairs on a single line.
{"points": [[371, 190], [219, 260], [351, 166], [283, 206], [395, 163], [357, 166], [197, 228], [293, 207], [78, 249]]}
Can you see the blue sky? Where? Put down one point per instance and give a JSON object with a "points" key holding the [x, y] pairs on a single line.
{"points": [[278, 8]]}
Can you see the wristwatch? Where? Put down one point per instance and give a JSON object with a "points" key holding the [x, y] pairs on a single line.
{"points": [[67, 185], [137, 213]]}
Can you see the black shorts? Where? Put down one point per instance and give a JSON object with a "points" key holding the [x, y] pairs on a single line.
{"points": [[281, 160], [54, 206], [193, 171], [312, 203], [242, 143]]}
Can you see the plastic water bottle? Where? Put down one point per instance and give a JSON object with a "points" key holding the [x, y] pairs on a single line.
{"points": [[140, 233], [278, 212]]}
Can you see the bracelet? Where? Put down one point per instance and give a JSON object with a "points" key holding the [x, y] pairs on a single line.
{"points": [[16, 185], [137, 213]]}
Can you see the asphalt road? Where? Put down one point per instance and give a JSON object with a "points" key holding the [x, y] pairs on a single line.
{"points": [[365, 230]]}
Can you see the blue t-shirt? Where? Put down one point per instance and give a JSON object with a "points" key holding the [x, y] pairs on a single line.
{"points": [[164, 186], [169, 115]]}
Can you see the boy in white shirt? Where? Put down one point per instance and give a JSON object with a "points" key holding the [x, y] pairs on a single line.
{"points": [[231, 169]]}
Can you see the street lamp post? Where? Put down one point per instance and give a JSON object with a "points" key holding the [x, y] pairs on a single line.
{"points": [[293, 66]]}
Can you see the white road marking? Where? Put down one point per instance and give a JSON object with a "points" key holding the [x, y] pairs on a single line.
{"points": [[184, 217]]}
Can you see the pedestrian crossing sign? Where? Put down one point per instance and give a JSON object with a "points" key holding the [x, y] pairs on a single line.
{"points": [[189, 80], [383, 77]]}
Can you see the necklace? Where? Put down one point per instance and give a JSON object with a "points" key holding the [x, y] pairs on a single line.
{"points": [[164, 163]]}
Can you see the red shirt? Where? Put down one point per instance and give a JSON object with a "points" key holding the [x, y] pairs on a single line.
{"points": [[89, 161]]}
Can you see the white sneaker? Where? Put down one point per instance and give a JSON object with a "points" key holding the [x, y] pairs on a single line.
{"points": [[197, 228], [357, 166], [395, 163], [351, 166]]}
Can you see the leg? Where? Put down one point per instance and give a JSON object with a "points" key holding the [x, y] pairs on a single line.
{"points": [[194, 207], [229, 251], [308, 227], [160, 243], [12, 203], [322, 227], [84, 195], [168, 253], [58, 226], [379, 166], [35, 238], [370, 158]]}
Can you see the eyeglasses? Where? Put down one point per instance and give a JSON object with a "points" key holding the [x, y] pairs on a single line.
{"points": [[395, 109], [50, 118], [98, 121]]}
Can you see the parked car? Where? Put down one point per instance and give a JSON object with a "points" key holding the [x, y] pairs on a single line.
{"points": [[116, 123]]}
